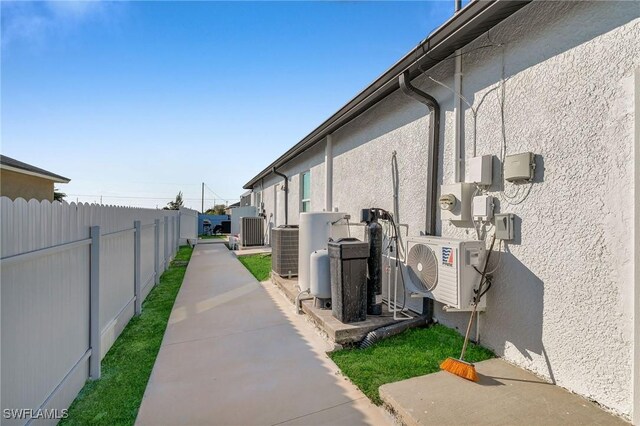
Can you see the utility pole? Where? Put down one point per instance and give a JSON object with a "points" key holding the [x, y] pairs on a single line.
{"points": [[202, 197]]}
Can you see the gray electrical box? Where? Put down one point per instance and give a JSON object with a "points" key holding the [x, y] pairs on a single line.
{"points": [[519, 167], [505, 226]]}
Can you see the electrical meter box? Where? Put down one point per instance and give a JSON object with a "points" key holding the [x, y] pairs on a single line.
{"points": [[480, 169], [519, 167], [455, 202]]}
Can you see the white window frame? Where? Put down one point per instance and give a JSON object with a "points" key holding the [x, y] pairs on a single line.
{"points": [[305, 200], [258, 198]]}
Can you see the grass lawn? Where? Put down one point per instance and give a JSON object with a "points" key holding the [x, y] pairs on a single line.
{"points": [[415, 352], [116, 397], [213, 237], [258, 264]]}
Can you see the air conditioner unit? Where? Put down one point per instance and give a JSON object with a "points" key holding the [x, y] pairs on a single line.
{"points": [[251, 231], [284, 251], [439, 268]]}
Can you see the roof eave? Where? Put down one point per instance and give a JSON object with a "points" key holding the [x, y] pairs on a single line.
{"points": [[56, 179]]}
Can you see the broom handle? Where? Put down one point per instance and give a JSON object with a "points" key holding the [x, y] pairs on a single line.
{"points": [[475, 305], [466, 336]]}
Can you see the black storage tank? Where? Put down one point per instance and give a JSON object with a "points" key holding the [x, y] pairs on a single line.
{"points": [[348, 264]]}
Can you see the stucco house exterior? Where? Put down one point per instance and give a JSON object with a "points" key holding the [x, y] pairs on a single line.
{"points": [[558, 79], [22, 180]]}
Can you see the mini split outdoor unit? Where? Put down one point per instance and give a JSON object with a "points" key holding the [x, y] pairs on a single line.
{"points": [[284, 251], [251, 231], [436, 267]]}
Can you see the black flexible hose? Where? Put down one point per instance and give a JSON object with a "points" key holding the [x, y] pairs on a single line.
{"points": [[391, 330]]}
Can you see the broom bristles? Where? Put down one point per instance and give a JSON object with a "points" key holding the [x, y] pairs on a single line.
{"points": [[460, 368]]}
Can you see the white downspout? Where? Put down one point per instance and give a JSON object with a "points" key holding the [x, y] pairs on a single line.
{"points": [[635, 364], [457, 107], [328, 175]]}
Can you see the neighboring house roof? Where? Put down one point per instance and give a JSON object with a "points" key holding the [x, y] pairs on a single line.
{"points": [[465, 26], [234, 205], [8, 163]]}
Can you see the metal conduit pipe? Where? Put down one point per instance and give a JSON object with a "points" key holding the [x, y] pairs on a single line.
{"points": [[433, 148], [286, 195]]}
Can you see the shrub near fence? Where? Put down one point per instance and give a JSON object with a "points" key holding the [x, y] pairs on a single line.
{"points": [[72, 276]]}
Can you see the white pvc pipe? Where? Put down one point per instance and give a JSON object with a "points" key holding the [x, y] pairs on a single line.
{"points": [[328, 175], [457, 106]]}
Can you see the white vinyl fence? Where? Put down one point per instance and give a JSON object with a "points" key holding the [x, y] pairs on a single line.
{"points": [[72, 276], [188, 226]]}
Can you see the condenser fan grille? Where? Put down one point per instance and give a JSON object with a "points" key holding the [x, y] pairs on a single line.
{"points": [[423, 266]]}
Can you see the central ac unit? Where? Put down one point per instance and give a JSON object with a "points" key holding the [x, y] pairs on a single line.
{"points": [[443, 269], [251, 231], [284, 251]]}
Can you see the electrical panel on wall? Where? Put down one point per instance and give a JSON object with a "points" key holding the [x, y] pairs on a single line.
{"points": [[482, 207], [519, 168], [480, 170], [455, 202], [505, 229]]}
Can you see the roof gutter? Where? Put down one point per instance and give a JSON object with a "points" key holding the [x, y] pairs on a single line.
{"points": [[475, 19]]}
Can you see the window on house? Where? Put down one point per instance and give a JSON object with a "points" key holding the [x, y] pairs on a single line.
{"points": [[258, 199], [305, 191]]}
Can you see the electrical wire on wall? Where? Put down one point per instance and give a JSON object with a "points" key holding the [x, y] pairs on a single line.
{"points": [[519, 196]]}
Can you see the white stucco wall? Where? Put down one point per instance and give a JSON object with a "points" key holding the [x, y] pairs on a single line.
{"points": [[561, 304]]}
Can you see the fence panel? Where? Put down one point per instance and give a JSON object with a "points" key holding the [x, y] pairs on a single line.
{"points": [[116, 284], [45, 293], [45, 310]]}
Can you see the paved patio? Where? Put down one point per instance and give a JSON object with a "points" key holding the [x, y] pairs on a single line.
{"points": [[235, 353]]}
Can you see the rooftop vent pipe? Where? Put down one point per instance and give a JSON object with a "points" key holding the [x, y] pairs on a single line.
{"points": [[433, 147], [286, 195]]}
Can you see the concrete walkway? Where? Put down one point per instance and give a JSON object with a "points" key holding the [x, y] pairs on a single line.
{"points": [[504, 395], [235, 353]]}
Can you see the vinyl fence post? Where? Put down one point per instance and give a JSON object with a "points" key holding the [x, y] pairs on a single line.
{"points": [[166, 243], [94, 303], [136, 268], [176, 230], [179, 224], [156, 251]]}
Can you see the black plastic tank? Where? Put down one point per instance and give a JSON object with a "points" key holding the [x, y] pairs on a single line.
{"points": [[348, 268]]}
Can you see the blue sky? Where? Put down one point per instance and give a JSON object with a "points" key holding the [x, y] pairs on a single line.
{"points": [[137, 101]]}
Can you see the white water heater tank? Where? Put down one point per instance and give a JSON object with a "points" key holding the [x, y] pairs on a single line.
{"points": [[315, 230], [319, 276]]}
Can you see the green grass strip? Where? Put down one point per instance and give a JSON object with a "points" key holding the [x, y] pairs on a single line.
{"points": [[258, 264], [115, 398], [213, 237], [415, 352]]}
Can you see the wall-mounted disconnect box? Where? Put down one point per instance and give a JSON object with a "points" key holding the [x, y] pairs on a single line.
{"points": [[519, 167], [455, 202], [505, 226], [480, 170]]}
